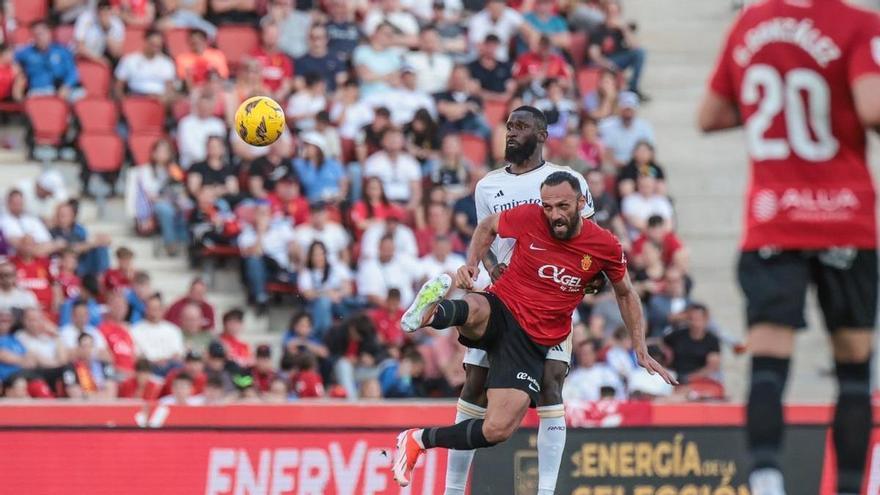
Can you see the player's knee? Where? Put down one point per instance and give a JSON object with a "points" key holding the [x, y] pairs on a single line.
{"points": [[478, 308], [497, 431]]}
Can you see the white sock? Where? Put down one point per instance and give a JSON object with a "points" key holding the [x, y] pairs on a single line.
{"points": [[551, 443], [458, 462]]}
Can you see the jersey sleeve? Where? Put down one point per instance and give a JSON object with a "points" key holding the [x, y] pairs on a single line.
{"points": [[864, 53], [515, 221], [615, 266], [588, 210], [721, 81], [481, 204]]}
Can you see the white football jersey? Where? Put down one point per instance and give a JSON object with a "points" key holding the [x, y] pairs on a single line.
{"points": [[501, 190]]}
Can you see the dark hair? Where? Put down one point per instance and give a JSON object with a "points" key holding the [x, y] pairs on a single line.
{"points": [[315, 245], [90, 283], [124, 252], [655, 221], [183, 375], [394, 293], [233, 314], [143, 364], [299, 315], [152, 31], [80, 302], [540, 118], [141, 277], [559, 177], [382, 198], [215, 380], [84, 336], [383, 111], [197, 32], [312, 78]]}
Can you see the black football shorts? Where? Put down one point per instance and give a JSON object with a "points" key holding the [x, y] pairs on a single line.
{"points": [[515, 361], [775, 286]]}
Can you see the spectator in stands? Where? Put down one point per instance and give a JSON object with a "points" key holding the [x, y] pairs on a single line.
{"points": [[441, 259], [400, 379], [293, 24], [249, 82], [588, 377], [235, 11], [41, 341], [319, 60], [562, 112], [276, 66], [326, 286], [188, 15], [269, 252], [306, 103], [642, 162], [452, 170], [438, 224], [377, 63], [9, 72], [194, 336], [342, 31], [547, 22], [42, 194], [355, 351], [369, 139], [404, 98], [696, 352], [197, 293], [399, 171], [115, 332], [322, 177], [267, 170], [306, 381], [197, 66], [607, 213], [620, 355], [386, 320], [79, 324], [422, 139], [389, 270], [263, 371], [644, 203], [136, 13], [568, 154], [403, 24], [137, 295], [99, 33], [218, 367], [158, 340], [13, 356], [121, 277], [542, 64], [89, 291], [350, 114], [13, 297], [430, 64], [65, 282], [287, 200], [502, 21], [215, 172], [591, 149], [237, 350], [373, 208], [614, 46], [666, 307], [623, 131], [16, 223], [194, 366], [602, 101], [47, 68], [405, 243], [194, 130], [670, 251], [148, 72], [89, 377], [302, 338], [460, 107], [32, 272], [495, 78], [182, 393], [142, 385], [322, 228], [94, 255]]}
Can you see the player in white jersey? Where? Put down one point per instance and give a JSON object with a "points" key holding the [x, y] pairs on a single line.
{"points": [[516, 184]]}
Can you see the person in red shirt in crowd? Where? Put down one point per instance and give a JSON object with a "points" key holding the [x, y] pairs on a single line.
{"points": [[196, 295], [32, 272], [67, 284], [276, 65], [196, 66], [672, 251], [374, 207], [115, 330], [122, 276], [386, 319], [263, 371], [143, 384], [136, 13], [287, 199], [439, 223], [194, 366], [8, 71], [307, 382], [237, 350], [542, 63]]}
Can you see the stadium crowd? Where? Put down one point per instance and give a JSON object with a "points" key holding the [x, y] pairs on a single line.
{"points": [[396, 109]]}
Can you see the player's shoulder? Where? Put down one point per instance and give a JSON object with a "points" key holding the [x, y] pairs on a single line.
{"points": [[555, 167], [604, 237], [492, 178]]}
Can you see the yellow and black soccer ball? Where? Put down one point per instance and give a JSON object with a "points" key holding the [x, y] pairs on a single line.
{"points": [[259, 121]]}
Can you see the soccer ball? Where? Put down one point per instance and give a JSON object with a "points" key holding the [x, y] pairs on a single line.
{"points": [[259, 121]]}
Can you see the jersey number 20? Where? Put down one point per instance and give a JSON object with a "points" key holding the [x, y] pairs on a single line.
{"points": [[805, 99]]}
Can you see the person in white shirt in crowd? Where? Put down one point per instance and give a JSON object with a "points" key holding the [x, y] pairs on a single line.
{"points": [[502, 21], [644, 203], [388, 271], [41, 340], [269, 251], [432, 67], [589, 376], [321, 228], [99, 33], [42, 194], [348, 111], [399, 171], [158, 340], [325, 285], [404, 238], [194, 130], [404, 99], [377, 64], [148, 72], [622, 132], [16, 224], [405, 25], [79, 324], [441, 259], [12, 297], [620, 355], [293, 25], [305, 104], [642, 385], [182, 392], [425, 9]]}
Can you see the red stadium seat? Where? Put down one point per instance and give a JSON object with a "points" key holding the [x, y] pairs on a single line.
{"points": [[144, 115], [134, 39], [48, 116], [578, 48], [237, 42], [705, 389], [102, 152], [177, 42], [348, 146], [587, 79], [181, 108], [474, 148], [95, 78], [63, 34], [495, 112], [140, 146], [21, 36], [28, 11], [96, 115]]}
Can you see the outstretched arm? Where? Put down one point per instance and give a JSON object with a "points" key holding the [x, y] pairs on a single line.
{"points": [[631, 309]]}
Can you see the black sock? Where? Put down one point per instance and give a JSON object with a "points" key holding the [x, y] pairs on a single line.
{"points": [[852, 424], [467, 435], [764, 421], [450, 313]]}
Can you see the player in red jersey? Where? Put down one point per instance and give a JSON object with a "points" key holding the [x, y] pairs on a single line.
{"points": [[524, 313], [803, 78]]}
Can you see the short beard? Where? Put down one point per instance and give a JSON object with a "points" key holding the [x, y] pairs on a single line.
{"points": [[518, 154], [571, 225]]}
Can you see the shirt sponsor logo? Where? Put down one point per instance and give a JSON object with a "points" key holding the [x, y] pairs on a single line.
{"points": [[567, 283], [514, 203], [533, 384], [805, 205]]}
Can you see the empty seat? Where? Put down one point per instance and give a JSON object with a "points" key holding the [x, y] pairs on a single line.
{"points": [[95, 78], [587, 80], [103, 152], [63, 34], [474, 148], [140, 146], [48, 116], [96, 115], [176, 41], [134, 39], [144, 115], [237, 42], [495, 112], [28, 11]]}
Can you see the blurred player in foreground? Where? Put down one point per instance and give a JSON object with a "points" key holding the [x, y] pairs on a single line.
{"points": [[803, 78], [524, 313]]}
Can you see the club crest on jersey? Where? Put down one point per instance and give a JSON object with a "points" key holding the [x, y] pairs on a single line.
{"points": [[586, 262]]}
